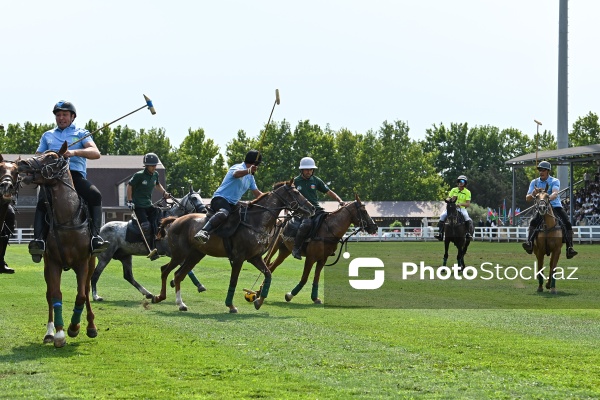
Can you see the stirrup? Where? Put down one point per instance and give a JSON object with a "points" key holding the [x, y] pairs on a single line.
{"points": [[36, 249], [98, 245], [468, 235], [202, 236], [528, 246], [439, 237]]}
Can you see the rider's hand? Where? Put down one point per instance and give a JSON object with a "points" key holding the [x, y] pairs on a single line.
{"points": [[131, 205], [166, 195]]}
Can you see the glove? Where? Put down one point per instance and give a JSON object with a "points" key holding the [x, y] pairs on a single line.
{"points": [[131, 205], [166, 195]]}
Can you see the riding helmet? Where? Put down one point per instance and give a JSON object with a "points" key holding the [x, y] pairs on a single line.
{"points": [[544, 165], [64, 106], [253, 157], [151, 159], [307, 163], [462, 178]]}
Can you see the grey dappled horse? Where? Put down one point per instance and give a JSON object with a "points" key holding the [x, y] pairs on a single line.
{"points": [[120, 249]]}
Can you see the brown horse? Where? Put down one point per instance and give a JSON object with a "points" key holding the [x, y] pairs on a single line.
{"points": [[8, 192], [324, 244], [548, 241], [455, 232], [247, 243], [68, 240]]}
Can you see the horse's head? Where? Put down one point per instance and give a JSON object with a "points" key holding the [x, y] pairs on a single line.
{"points": [[8, 180], [192, 203], [541, 203], [360, 216], [292, 199], [451, 207], [44, 169]]}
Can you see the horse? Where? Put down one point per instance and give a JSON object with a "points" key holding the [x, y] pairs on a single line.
{"points": [[455, 232], [322, 245], [115, 232], [67, 243], [8, 191], [248, 241], [548, 241]]}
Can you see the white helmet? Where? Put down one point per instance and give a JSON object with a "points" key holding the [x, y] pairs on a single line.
{"points": [[307, 163]]}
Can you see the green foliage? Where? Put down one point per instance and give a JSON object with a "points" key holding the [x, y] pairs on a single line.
{"points": [[396, 224]]}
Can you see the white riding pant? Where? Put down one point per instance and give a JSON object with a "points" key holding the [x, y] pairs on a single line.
{"points": [[462, 210]]}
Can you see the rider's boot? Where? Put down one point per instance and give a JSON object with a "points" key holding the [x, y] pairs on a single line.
{"points": [[3, 266], [570, 250], [469, 226], [528, 245], [97, 243], [203, 235], [303, 231], [440, 235], [37, 246]]}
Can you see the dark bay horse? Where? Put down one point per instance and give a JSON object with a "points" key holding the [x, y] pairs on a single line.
{"points": [[548, 241], [324, 244], [455, 232], [67, 243], [248, 242], [8, 192], [115, 232]]}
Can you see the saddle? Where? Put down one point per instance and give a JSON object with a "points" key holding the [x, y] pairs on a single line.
{"points": [[235, 217], [291, 228], [133, 233]]}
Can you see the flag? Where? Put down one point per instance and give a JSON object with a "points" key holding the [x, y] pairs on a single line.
{"points": [[517, 211]]}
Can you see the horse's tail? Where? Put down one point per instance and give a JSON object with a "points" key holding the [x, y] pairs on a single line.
{"points": [[164, 224]]}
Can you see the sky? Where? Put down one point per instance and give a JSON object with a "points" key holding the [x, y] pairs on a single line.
{"points": [[348, 64]]}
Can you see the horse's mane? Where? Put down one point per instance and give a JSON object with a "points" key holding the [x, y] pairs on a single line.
{"points": [[275, 187], [164, 223]]}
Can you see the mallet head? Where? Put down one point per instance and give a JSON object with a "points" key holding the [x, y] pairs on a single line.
{"points": [[537, 122], [149, 104], [277, 96]]}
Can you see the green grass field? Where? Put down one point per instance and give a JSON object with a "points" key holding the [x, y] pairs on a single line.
{"points": [[299, 350]]}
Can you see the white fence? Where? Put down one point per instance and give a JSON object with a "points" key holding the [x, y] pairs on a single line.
{"points": [[581, 234]]}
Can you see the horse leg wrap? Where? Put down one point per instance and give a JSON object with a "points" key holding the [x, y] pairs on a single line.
{"points": [[314, 294], [297, 289], [229, 298], [58, 318], [76, 317], [193, 278], [264, 291]]}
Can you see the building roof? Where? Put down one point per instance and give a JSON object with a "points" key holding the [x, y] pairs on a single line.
{"points": [[399, 209], [104, 162], [579, 154]]}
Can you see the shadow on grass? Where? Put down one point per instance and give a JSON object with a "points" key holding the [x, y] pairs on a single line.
{"points": [[38, 350]]}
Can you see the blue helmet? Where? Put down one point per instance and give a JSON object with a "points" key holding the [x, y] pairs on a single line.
{"points": [[544, 165], [64, 106]]}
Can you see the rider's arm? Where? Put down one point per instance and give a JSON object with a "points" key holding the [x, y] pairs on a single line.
{"points": [[89, 151], [334, 196], [162, 190], [466, 204], [129, 192], [256, 193]]}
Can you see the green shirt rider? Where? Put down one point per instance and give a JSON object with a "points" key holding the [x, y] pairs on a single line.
{"points": [[308, 184]]}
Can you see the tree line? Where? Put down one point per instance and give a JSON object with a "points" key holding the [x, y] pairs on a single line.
{"points": [[379, 165]]}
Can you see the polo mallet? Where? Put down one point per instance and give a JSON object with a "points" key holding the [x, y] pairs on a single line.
{"points": [[277, 101], [151, 253], [148, 104], [537, 138]]}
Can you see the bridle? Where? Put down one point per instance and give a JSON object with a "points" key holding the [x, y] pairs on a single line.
{"points": [[364, 220], [294, 205], [52, 170]]}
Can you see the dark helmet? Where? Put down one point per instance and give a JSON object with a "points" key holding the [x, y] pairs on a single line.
{"points": [[463, 179], [151, 159], [64, 106], [544, 165], [253, 157]]}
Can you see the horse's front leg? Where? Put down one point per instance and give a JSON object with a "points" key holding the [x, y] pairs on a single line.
{"points": [[308, 263], [91, 330], [52, 274], [263, 293], [540, 269], [128, 275], [80, 299], [236, 267], [314, 295], [188, 264], [446, 245], [551, 283], [165, 270]]}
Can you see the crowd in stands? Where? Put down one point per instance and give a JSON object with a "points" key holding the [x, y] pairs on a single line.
{"points": [[587, 202]]}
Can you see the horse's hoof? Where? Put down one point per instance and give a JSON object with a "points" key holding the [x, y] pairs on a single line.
{"points": [[553, 290], [92, 332], [97, 298], [201, 288], [172, 283], [183, 307], [317, 301], [258, 302], [60, 339], [155, 299], [48, 339], [540, 289], [73, 332], [233, 310], [548, 285], [289, 297]]}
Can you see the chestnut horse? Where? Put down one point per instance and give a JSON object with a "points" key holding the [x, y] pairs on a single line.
{"points": [[548, 241], [455, 232], [324, 244], [248, 242], [68, 240]]}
